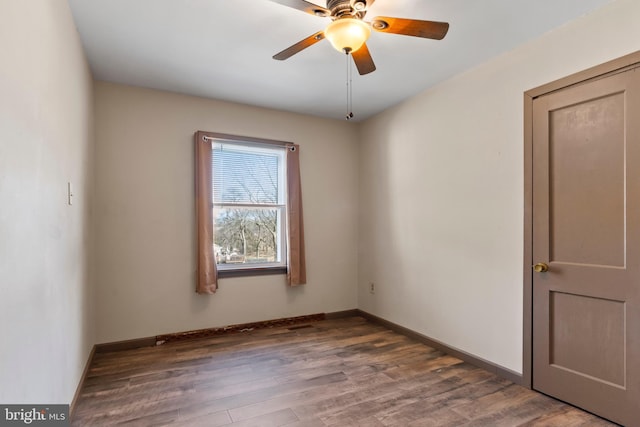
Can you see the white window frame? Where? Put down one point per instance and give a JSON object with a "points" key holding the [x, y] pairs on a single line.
{"points": [[281, 245]]}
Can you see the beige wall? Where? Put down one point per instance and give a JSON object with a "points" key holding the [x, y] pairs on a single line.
{"points": [[144, 242], [45, 141], [441, 191]]}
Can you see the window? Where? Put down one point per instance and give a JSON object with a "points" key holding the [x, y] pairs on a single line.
{"points": [[249, 205], [248, 198]]}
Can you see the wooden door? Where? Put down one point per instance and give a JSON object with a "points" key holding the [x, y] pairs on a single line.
{"points": [[586, 229]]}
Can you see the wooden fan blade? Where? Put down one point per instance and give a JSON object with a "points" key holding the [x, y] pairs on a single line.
{"points": [[363, 60], [305, 6], [302, 44], [411, 27]]}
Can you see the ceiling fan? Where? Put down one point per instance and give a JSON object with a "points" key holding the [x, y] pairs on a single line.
{"points": [[348, 31]]}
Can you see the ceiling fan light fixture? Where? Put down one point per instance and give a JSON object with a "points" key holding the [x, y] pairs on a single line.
{"points": [[347, 34]]}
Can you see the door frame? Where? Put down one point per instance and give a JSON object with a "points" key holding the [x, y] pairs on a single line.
{"points": [[594, 73]]}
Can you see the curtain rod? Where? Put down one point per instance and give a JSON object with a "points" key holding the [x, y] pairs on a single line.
{"points": [[240, 139]]}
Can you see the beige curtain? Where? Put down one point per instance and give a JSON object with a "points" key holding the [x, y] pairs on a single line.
{"points": [[296, 267], [207, 273]]}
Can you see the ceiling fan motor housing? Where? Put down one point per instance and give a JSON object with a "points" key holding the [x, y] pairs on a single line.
{"points": [[340, 8]]}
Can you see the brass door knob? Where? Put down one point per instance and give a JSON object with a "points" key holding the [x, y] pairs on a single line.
{"points": [[540, 267]]}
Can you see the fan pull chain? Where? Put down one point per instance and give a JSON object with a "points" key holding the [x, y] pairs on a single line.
{"points": [[349, 115]]}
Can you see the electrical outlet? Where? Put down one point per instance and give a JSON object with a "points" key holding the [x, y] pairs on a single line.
{"points": [[372, 287]]}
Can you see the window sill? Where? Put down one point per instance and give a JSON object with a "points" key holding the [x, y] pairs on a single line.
{"points": [[245, 272]]}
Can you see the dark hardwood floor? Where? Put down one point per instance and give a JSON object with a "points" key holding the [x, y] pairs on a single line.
{"points": [[344, 372]]}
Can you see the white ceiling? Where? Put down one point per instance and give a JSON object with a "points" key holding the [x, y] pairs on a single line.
{"points": [[222, 48]]}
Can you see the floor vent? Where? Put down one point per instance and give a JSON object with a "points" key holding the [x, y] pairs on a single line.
{"points": [[293, 328]]}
